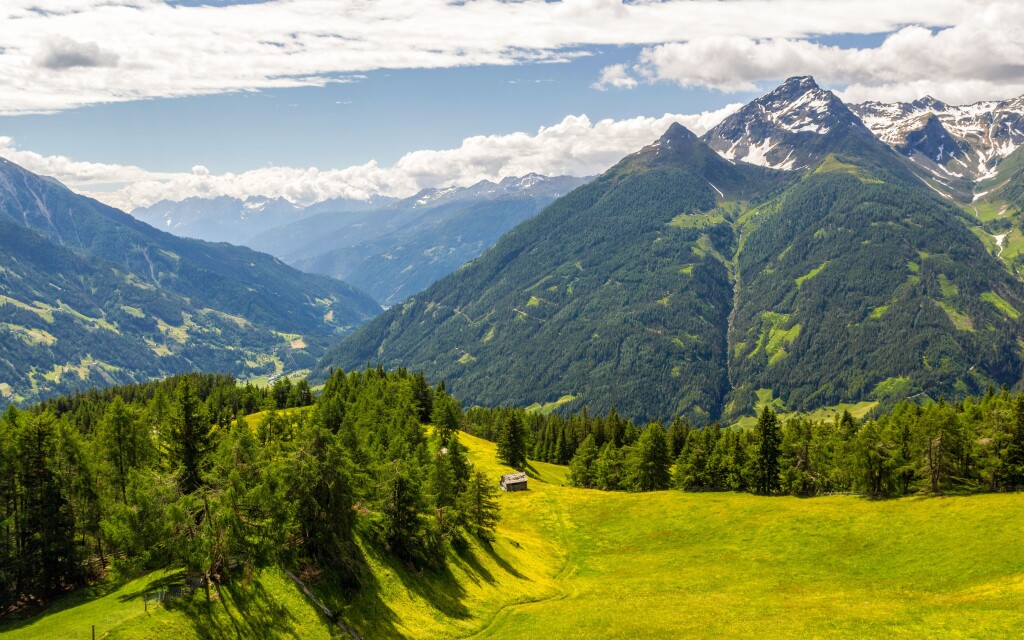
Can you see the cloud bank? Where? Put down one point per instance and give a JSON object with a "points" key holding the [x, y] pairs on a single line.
{"points": [[62, 54], [575, 146], [979, 57]]}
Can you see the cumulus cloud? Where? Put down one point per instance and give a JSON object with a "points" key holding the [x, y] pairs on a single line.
{"points": [[65, 53], [575, 146], [170, 51], [615, 76], [978, 58]]}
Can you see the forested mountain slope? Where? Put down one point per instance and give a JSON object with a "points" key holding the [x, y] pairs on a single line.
{"points": [[89, 295], [850, 281], [860, 283], [616, 294]]}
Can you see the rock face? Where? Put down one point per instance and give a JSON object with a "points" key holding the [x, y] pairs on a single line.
{"points": [[790, 128], [952, 142]]}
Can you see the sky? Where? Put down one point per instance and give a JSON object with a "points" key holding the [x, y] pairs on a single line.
{"points": [[135, 101]]}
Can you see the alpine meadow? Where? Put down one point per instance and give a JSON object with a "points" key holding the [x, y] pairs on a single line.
{"points": [[572, 319]]}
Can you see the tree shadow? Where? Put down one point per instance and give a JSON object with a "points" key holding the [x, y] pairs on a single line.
{"points": [[437, 587], [501, 562], [359, 605], [246, 611], [171, 580]]}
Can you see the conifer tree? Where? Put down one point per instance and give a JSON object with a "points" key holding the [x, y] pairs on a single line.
{"points": [[512, 441], [125, 442], [650, 460], [400, 505], [767, 461], [189, 437], [581, 469], [479, 507], [1013, 465]]}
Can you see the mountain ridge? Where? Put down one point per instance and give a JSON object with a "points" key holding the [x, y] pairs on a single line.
{"points": [[795, 312], [119, 301]]}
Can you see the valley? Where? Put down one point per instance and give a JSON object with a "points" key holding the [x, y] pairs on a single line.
{"points": [[587, 319]]}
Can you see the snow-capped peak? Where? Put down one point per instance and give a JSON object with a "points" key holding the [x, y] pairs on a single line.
{"points": [[777, 129], [981, 134]]}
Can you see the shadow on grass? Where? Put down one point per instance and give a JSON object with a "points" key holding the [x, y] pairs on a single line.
{"points": [[65, 601], [501, 562], [360, 606], [472, 567], [174, 579], [236, 610], [366, 608]]}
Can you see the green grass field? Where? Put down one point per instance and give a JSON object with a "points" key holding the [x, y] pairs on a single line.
{"points": [[574, 563]]}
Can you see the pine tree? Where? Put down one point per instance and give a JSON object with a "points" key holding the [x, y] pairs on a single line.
{"points": [[125, 442], [1013, 456], [441, 487], [677, 434], [650, 460], [512, 441], [446, 417], [321, 490], [581, 469], [767, 462], [479, 507], [423, 396], [189, 437], [608, 468], [400, 505]]}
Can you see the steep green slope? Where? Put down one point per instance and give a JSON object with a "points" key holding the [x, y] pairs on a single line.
{"points": [[853, 281], [617, 294], [861, 284], [88, 296]]}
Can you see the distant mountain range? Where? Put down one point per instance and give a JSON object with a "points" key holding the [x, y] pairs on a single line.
{"points": [[226, 219], [789, 257], [386, 247], [397, 251], [91, 296]]}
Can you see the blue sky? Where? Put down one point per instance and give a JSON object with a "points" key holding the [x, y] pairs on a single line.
{"points": [[380, 117], [133, 101]]}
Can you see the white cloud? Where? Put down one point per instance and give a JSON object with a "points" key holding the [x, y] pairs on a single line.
{"points": [[165, 51], [615, 76], [575, 146], [978, 58]]}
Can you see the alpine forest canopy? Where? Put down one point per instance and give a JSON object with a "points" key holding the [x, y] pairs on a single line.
{"points": [[199, 473], [684, 282]]}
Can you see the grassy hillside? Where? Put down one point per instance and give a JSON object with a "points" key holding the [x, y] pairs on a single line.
{"points": [[270, 606], [588, 564]]}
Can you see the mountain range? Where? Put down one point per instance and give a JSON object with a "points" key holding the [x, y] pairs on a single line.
{"points": [[389, 248], [789, 255], [91, 296], [803, 253]]}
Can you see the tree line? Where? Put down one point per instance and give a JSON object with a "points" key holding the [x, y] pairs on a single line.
{"points": [[975, 445], [173, 475]]}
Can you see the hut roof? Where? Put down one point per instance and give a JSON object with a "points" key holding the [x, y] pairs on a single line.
{"points": [[512, 478]]}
